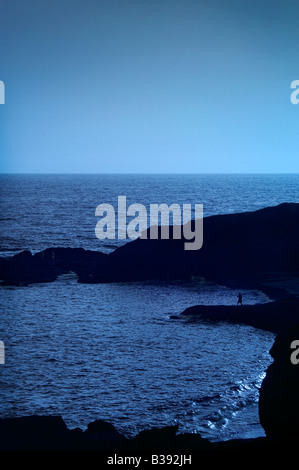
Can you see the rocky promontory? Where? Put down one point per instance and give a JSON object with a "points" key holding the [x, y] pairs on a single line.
{"points": [[271, 316], [245, 248], [241, 247]]}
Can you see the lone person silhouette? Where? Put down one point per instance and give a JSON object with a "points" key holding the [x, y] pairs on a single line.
{"points": [[240, 299]]}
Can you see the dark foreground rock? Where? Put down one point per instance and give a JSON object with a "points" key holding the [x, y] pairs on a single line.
{"points": [[271, 316], [51, 433], [245, 247], [45, 266], [279, 393]]}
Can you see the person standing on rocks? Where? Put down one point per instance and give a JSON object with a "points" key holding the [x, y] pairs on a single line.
{"points": [[240, 299]]}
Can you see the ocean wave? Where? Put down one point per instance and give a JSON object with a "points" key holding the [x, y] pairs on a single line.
{"points": [[240, 395]]}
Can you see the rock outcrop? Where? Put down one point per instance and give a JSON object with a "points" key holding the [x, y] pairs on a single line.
{"points": [[51, 432], [242, 247], [271, 316], [47, 265], [279, 393]]}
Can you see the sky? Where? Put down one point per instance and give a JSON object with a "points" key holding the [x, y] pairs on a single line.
{"points": [[149, 86]]}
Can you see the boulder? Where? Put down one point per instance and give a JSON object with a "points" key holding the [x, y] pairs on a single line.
{"points": [[99, 430]]}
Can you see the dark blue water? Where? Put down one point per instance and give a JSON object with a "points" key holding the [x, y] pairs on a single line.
{"points": [[112, 351]]}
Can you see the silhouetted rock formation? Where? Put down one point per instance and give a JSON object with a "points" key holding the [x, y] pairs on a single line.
{"points": [[47, 265], [279, 393], [271, 316], [51, 433], [99, 430], [167, 438], [33, 432], [244, 247], [235, 246]]}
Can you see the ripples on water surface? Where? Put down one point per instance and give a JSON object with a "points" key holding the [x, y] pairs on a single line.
{"points": [[112, 352]]}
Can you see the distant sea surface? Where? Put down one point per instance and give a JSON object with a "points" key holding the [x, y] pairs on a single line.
{"points": [[111, 351]]}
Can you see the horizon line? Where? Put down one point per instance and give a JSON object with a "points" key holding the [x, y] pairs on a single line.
{"points": [[149, 173]]}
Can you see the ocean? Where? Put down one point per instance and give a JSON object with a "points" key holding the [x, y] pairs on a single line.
{"points": [[114, 351]]}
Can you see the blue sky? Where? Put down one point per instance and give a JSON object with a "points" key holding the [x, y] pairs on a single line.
{"points": [[154, 86]]}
